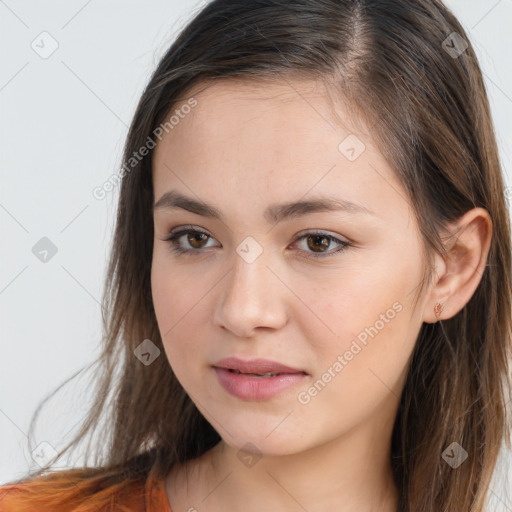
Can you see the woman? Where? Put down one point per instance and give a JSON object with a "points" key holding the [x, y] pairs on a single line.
{"points": [[312, 228]]}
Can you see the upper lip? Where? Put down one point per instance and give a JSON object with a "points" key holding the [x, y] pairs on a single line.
{"points": [[255, 366]]}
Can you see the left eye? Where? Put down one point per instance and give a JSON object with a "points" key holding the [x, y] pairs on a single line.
{"points": [[323, 241], [315, 240]]}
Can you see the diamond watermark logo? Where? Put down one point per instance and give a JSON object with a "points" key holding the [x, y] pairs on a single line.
{"points": [[455, 455], [249, 250], [249, 455], [43, 453], [44, 250], [455, 45], [351, 147], [146, 352], [44, 45]]}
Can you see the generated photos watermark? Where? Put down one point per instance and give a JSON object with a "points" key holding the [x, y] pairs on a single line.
{"points": [[100, 192], [305, 397]]}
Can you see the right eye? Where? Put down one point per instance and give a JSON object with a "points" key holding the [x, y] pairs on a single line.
{"points": [[195, 238]]}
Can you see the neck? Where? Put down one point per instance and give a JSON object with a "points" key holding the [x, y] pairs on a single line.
{"points": [[350, 473]]}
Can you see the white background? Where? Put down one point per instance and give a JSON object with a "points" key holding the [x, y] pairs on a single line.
{"points": [[64, 120]]}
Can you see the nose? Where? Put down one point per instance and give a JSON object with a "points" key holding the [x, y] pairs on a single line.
{"points": [[251, 297]]}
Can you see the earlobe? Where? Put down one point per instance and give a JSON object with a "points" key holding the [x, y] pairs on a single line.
{"points": [[438, 309], [467, 250]]}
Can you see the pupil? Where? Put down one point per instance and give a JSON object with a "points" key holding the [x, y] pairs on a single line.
{"points": [[193, 239], [316, 238]]}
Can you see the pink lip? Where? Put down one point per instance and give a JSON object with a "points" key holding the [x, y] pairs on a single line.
{"points": [[255, 366], [250, 387]]}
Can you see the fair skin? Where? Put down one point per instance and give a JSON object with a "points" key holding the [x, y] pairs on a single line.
{"points": [[243, 148]]}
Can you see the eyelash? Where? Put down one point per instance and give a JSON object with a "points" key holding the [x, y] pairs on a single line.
{"points": [[175, 236]]}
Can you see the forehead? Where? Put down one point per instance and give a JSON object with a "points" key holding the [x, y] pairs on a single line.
{"points": [[261, 121], [268, 139], [240, 101]]}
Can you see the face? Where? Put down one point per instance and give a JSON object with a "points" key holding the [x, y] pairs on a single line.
{"points": [[328, 293]]}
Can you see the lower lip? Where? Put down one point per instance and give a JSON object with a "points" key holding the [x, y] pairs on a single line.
{"points": [[247, 387]]}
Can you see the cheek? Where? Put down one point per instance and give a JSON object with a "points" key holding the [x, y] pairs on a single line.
{"points": [[177, 302], [365, 317], [334, 309], [176, 293], [359, 373]]}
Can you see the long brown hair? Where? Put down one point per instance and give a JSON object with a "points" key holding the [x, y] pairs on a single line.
{"points": [[405, 67]]}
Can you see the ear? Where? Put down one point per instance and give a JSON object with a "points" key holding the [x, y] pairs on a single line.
{"points": [[457, 276]]}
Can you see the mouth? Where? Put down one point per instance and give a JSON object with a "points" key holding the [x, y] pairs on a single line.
{"points": [[258, 379], [256, 367], [258, 375]]}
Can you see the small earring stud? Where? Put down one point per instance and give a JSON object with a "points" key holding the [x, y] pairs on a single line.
{"points": [[438, 308]]}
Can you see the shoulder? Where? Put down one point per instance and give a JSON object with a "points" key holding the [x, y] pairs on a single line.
{"points": [[73, 490]]}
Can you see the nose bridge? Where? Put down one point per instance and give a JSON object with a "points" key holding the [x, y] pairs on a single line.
{"points": [[249, 297]]}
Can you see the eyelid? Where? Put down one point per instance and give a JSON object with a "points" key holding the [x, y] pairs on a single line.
{"points": [[184, 227], [181, 230], [304, 232], [315, 231], [176, 233]]}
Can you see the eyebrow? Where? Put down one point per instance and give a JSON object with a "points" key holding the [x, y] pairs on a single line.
{"points": [[273, 214]]}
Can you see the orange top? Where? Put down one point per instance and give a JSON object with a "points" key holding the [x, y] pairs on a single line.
{"points": [[63, 494]]}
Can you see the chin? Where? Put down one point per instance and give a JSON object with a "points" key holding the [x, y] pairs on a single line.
{"points": [[263, 440]]}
